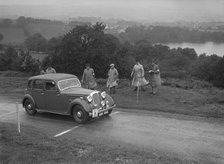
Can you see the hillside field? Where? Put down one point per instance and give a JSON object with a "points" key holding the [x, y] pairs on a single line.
{"points": [[16, 35], [12, 35]]}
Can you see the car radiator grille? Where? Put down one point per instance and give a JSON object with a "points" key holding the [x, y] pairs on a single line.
{"points": [[96, 99]]}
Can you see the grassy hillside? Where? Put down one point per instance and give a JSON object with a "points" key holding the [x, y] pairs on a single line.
{"points": [[47, 30], [206, 102], [12, 35]]}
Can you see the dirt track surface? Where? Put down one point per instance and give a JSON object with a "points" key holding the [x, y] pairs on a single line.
{"points": [[195, 138]]}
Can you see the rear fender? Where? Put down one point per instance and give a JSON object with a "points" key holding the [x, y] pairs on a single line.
{"points": [[79, 101]]}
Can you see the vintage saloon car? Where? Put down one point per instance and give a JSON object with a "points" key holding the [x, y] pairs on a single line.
{"points": [[62, 94]]}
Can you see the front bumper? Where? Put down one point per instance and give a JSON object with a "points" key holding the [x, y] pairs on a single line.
{"points": [[99, 111]]}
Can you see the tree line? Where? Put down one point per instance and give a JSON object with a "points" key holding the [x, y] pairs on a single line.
{"points": [[90, 44], [165, 34], [24, 21]]}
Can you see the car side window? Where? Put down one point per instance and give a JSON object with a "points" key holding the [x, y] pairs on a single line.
{"points": [[50, 86], [38, 84]]}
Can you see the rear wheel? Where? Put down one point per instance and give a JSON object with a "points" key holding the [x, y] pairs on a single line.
{"points": [[29, 107], [80, 115]]}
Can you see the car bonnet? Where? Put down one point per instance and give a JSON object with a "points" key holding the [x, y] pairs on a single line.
{"points": [[77, 91]]}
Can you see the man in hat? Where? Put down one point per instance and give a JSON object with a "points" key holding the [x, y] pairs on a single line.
{"points": [[112, 79], [88, 78]]}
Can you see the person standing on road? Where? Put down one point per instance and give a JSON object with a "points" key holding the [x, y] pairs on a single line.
{"points": [[138, 76], [50, 70], [112, 79], [156, 80], [88, 78]]}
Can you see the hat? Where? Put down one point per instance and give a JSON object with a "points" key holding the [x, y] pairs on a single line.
{"points": [[112, 65]]}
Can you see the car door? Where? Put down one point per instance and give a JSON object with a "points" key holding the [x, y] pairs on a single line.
{"points": [[53, 99], [38, 93]]}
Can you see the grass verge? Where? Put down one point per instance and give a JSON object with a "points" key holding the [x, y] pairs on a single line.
{"points": [[207, 102]]}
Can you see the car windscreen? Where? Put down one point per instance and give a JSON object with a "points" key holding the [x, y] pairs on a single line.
{"points": [[68, 83]]}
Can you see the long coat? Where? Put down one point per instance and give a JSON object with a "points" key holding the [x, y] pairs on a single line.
{"points": [[112, 77], [88, 78], [156, 80], [138, 76]]}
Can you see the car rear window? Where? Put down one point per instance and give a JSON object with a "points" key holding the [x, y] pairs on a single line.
{"points": [[38, 84]]}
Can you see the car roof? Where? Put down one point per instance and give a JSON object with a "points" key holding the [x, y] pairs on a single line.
{"points": [[53, 76]]}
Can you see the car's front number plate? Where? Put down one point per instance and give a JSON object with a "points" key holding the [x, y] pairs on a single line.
{"points": [[106, 112], [95, 113]]}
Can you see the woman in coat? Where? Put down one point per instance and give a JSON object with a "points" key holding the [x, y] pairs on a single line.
{"points": [[88, 78], [138, 76], [156, 80], [112, 79]]}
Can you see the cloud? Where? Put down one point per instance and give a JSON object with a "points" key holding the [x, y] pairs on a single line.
{"points": [[154, 10]]}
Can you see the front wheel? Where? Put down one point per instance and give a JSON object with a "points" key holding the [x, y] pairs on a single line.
{"points": [[80, 115], [29, 107]]}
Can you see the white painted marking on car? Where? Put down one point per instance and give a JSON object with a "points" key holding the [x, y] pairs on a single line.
{"points": [[115, 113], [66, 131], [6, 114]]}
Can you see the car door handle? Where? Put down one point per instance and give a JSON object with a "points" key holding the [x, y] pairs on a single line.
{"points": [[42, 93]]}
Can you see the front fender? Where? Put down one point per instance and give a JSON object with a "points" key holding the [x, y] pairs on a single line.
{"points": [[27, 96], [110, 99], [79, 101]]}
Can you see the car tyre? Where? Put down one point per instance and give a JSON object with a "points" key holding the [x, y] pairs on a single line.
{"points": [[29, 107], [80, 115]]}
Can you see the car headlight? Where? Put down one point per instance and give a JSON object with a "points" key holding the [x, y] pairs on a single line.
{"points": [[103, 94], [89, 98], [103, 103]]}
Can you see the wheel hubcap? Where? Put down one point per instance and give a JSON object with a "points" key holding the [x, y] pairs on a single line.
{"points": [[79, 114], [29, 106]]}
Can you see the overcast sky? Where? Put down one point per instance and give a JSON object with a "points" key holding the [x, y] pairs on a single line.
{"points": [[154, 10]]}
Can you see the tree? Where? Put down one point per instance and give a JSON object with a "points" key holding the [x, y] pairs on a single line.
{"points": [[204, 67], [21, 21], [85, 44], [1, 37], [7, 22], [36, 42], [31, 65], [188, 52], [9, 60], [218, 71]]}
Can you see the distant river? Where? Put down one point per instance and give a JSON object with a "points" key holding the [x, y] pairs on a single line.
{"points": [[208, 48]]}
